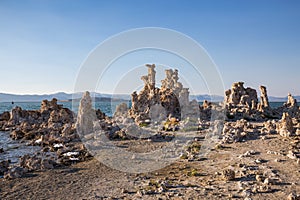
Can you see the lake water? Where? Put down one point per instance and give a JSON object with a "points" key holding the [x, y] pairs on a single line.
{"points": [[107, 107], [13, 149]]}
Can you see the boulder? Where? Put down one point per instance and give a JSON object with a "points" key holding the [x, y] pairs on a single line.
{"points": [[5, 116], [286, 127], [34, 163], [121, 110], [100, 115], [228, 175], [16, 172], [4, 166], [17, 115], [17, 134], [269, 127]]}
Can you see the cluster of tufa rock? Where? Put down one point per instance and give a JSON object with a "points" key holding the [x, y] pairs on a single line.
{"points": [[243, 102], [51, 120], [171, 100], [238, 95], [53, 128], [285, 127]]}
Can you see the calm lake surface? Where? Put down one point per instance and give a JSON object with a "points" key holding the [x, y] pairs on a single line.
{"points": [[107, 107]]}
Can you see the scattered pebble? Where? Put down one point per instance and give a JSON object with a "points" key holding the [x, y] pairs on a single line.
{"points": [[228, 174], [58, 145], [68, 154], [291, 155], [293, 196], [259, 178], [269, 181], [259, 161]]}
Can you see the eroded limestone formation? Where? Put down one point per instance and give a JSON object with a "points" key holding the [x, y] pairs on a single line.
{"points": [[291, 106], [172, 100], [31, 124], [235, 132], [291, 101], [269, 127], [264, 100], [243, 103], [121, 110], [50, 105], [171, 82], [286, 127], [240, 96], [86, 115]]}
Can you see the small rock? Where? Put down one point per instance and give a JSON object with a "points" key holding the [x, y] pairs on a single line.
{"points": [[259, 161], [264, 188], [124, 191], [248, 154], [141, 193], [291, 155], [68, 154], [228, 174], [270, 152], [293, 196], [161, 189], [247, 193], [269, 181], [16, 172], [38, 141], [58, 145], [17, 134], [259, 178], [34, 163], [4, 166]]}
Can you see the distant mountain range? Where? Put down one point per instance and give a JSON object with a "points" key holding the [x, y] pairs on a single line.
{"points": [[61, 96], [217, 98]]}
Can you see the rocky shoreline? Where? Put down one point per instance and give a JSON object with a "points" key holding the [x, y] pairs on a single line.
{"points": [[158, 115]]}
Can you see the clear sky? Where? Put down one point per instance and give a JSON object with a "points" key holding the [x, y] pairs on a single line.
{"points": [[43, 43]]}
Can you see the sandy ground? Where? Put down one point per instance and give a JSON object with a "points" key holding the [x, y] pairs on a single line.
{"points": [[181, 180]]}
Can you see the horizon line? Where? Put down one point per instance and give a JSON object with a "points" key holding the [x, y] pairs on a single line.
{"points": [[72, 93]]}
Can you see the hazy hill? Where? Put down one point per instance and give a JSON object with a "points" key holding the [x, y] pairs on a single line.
{"points": [[61, 96]]}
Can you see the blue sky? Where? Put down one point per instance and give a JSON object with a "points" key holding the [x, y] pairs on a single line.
{"points": [[43, 43]]}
